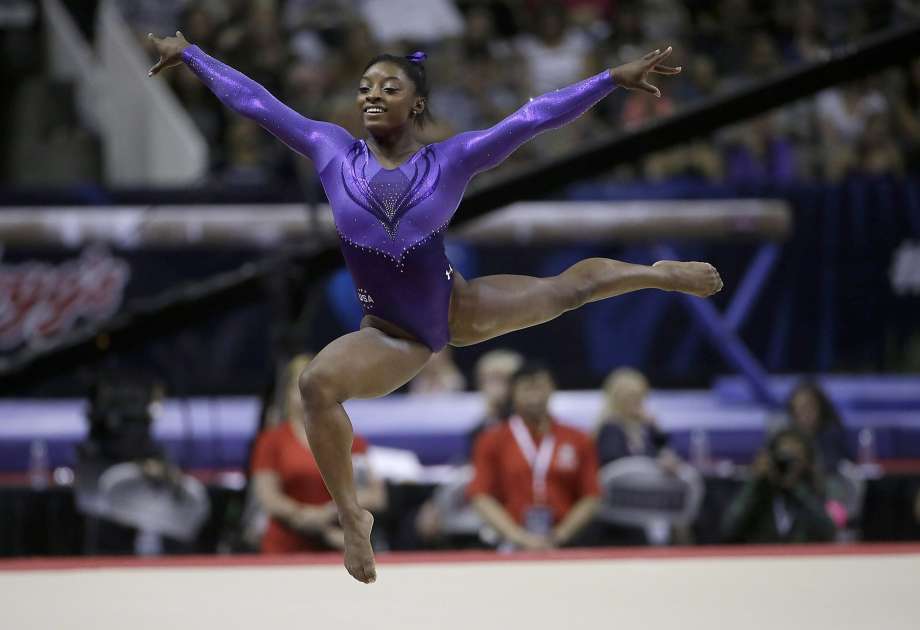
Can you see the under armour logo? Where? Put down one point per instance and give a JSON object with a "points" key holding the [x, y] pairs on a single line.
{"points": [[449, 271]]}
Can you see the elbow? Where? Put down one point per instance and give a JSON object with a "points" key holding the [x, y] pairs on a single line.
{"points": [[251, 102]]}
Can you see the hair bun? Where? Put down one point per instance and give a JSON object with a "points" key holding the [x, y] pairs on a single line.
{"points": [[417, 57]]}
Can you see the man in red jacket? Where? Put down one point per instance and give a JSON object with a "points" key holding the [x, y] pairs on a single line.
{"points": [[535, 479]]}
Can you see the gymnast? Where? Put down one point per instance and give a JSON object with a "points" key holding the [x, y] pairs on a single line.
{"points": [[392, 199]]}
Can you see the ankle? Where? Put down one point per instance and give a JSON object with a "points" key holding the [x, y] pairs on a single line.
{"points": [[351, 515], [663, 278]]}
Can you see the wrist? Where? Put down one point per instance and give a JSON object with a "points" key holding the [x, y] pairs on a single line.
{"points": [[612, 73]]}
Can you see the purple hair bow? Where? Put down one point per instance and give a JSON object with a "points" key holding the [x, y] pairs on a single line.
{"points": [[417, 57]]}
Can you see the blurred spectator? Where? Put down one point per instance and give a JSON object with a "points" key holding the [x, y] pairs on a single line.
{"points": [[120, 416], [480, 80], [587, 13], [555, 53], [878, 151], [758, 152], [627, 38], [626, 427], [248, 155], [120, 423], [159, 17], [261, 50], [782, 502], [312, 52], [699, 80], [665, 21], [811, 412], [46, 144], [493, 373], [328, 18], [200, 25], [807, 42], [907, 108], [763, 59], [843, 115], [439, 376], [638, 109], [408, 20], [290, 488], [535, 480]]}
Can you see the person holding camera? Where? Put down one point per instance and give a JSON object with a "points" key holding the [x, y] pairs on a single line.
{"points": [[782, 501]]}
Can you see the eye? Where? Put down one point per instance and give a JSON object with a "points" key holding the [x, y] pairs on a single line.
{"points": [[364, 89], [390, 90]]}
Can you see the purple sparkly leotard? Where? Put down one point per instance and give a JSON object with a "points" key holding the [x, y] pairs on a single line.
{"points": [[391, 221]]}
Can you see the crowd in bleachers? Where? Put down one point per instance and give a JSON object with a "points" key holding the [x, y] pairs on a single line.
{"points": [[487, 58], [311, 53]]}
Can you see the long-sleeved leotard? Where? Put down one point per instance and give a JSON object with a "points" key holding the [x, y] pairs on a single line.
{"points": [[391, 221]]}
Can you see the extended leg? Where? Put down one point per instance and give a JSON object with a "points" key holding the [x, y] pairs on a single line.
{"points": [[494, 305], [363, 364]]}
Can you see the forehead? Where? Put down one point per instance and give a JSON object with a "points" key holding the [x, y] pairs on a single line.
{"points": [[540, 379], [384, 70]]}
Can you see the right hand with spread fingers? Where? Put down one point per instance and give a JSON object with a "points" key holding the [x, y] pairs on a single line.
{"points": [[169, 49], [635, 74]]}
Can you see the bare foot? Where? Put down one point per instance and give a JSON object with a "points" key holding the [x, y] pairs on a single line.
{"points": [[696, 278], [359, 555]]}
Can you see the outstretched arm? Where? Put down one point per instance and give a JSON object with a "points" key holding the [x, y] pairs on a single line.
{"points": [[319, 141], [477, 151]]}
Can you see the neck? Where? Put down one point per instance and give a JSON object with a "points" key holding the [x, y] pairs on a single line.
{"points": [[393, 143], [539, 423], [495, 411]]}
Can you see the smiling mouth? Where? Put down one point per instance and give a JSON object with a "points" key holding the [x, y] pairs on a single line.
{"points": [[373, 110]]}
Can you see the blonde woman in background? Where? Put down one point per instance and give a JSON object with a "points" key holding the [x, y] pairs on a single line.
{"points": [[626, 428], [288, 484]]}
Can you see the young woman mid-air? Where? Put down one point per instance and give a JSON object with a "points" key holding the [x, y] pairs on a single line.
{"points": [[392, 199]]}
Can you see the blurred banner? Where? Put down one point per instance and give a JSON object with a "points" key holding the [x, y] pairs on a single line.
{"points": [[41, 302]]}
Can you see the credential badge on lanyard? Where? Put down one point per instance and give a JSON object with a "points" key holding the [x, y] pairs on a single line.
{"points": [[539, 459]]}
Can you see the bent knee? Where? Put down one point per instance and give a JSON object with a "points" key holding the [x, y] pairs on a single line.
{"points": [[317, 388]]}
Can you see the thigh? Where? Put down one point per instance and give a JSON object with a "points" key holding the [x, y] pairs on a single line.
{"points": [[486, 307], [368, 363]]}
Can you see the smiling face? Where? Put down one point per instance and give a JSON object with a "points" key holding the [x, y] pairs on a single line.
{"points": [[387, 98]]}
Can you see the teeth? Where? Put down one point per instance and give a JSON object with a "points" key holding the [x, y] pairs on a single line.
{"points": [[374, 110]]}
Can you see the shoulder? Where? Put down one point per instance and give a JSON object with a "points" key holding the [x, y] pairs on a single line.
{"points": [[273, 434], [320, 130], [611, 428], [494, 435], [278, 435], [269, 445], [566, 433]]}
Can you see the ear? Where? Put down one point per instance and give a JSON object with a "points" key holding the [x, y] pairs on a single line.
{"points": [[419, 107]]}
